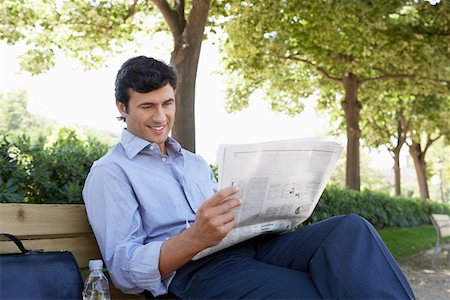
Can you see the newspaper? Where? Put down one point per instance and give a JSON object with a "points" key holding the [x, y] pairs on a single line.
{"points": [[279, 184]]}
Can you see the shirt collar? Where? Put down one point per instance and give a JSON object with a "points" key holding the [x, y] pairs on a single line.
{"points": [[134, 144]]}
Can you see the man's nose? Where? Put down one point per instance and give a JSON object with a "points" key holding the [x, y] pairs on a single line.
{"points": [[159, 115]]}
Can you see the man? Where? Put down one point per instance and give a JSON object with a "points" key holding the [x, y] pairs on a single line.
{"points": [[153, 206]]}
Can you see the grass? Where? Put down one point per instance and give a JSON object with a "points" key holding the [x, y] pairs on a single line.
{"points": [[403, 242]]}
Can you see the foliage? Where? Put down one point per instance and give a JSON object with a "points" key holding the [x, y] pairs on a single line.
{"points": [[440, 170], [8, 191], [290, 49], [432, 117], [85, 30], [396, 117], [215, 171], [380, 209], [16, 119], [51, 170]]}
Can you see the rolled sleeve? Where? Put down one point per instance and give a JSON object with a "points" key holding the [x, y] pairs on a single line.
{"points": [[141, 271]]}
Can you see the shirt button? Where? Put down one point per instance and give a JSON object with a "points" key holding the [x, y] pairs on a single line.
{"points": [[151, 147], [163, 159]]}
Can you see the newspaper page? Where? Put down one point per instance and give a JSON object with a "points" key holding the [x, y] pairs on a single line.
{"points": [[279, 184]]}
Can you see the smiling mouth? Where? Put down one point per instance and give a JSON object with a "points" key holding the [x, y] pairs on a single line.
{"points": [[157, 128]]}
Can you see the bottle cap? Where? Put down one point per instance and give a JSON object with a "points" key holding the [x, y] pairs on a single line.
{"points": [[96, 264]]}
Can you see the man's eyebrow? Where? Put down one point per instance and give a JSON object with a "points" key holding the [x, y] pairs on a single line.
{"points": [[145, 103], [152, 103]]}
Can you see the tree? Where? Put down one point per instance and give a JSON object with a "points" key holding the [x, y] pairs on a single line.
{"points": [[439, 155], [387, 124], [292, 48], [16, 119], [87, 30], [12, 108], [430, 124], [416, 120], [13, 111]]}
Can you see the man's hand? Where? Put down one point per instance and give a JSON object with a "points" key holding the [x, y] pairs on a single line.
{"points": [[214, 218], [213, 222]]}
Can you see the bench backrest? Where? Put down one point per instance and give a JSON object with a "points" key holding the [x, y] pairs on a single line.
{"points": [[49, 227], [442, 224], [52, 227]]}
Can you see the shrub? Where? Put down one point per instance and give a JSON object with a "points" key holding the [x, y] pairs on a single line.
{"points": [[53, 170], [380, 209], [46, 171]]}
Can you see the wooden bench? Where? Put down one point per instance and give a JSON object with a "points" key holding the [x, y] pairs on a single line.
{"points": [[441, 223], [53, 227]]}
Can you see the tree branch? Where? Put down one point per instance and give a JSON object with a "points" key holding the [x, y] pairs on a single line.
{"points": [[430, 141], [413, 110], [310, 63], [437, 80], [388, 77], [401, 134], [383, 133], [132, 10], [171, 16], [179, 7], [401, 76], [197, 19]]}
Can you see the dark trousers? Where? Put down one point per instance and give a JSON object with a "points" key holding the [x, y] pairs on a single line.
{"points": [[339, 258]]}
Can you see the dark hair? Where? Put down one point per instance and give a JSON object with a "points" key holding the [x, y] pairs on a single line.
{"points": [[142, 74]]}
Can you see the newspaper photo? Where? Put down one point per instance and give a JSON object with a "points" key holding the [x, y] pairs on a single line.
{"points": [[279, 182]]}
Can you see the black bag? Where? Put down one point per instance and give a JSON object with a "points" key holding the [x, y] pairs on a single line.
{"points": [[34, 274]]}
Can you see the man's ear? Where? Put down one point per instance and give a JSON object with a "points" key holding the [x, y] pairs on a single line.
{"points": [[122, 109]]}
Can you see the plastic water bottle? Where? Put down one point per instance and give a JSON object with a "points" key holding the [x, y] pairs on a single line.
{"points": [[96, 286]]}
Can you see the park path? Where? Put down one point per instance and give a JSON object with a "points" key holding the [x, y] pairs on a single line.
{"points": [[428, 283]]}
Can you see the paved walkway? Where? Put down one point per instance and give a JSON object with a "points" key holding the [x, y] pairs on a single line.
{"points": [[428, 283]]}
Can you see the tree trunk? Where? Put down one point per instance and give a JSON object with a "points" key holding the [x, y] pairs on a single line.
{"points": [[397, 174], [420, 165], [351, 107], [188, 37], [186, 62], [401, 136]]}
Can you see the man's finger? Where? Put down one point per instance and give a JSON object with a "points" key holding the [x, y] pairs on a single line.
{"points": [[225, 206], [218, 197], [225, 218]]}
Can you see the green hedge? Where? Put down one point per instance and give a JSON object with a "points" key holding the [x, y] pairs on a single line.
{"points": [[380, 209], [51, 170]]}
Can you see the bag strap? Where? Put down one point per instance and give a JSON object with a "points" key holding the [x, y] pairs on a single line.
{"points": [[16, 241]]}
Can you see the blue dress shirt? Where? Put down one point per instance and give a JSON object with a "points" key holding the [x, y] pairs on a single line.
{"points": [[136, 198]]}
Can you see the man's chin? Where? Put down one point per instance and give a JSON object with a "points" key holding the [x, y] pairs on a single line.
{"points": [[157, 139]]}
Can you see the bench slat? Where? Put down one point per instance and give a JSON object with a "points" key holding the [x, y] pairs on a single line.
{"points": [[441, 217], [442, 221], [445, 232], [43, 219]]}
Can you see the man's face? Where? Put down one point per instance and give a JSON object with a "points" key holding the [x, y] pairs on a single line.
{"points": [[150, 115]]}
